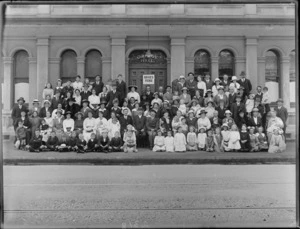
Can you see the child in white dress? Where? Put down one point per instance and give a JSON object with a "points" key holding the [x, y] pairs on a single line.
{"points": [[179, 141], [182, 107], [234, 139], [225, 137], [192, 139], [169, 142], [202, 138], [250, 104], [159, 142]]}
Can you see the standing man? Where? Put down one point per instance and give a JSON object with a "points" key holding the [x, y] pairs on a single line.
{"points": [[209, 83], [259, 93], [282, 113], [139, 123], [149, 94], [245, 83], [98, 85], [111, 95], [191, 84], [180, 84], [85, 93], [121, 87], [225, 82], [17, 109], [174, 84]]}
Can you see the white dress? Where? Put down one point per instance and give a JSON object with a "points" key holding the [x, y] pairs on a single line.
{"points": [[201, 140], [101, 125], [135, 95], [249, 105], [89, 127], [182, 108], [159, 143], [236, 86], [169, 143], [225, 139], [234, 136], [204, 122], [202, 85], [192, 140], [179, 142], [113, 128]]}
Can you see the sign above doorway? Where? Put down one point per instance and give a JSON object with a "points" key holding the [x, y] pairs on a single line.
{"points": [[148, 79]]}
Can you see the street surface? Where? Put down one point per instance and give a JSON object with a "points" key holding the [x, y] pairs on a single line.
{"points": [[149, 196]]}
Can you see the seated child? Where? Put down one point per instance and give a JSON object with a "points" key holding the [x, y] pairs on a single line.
{"points": [[52, 142], [234, 139], [277, 144], [191, 140], [44, 131], [159, 142], [103, 143], [73, 141], [179, 141], [245, 140], [182, 107], [81, 144], [63, 144], [225, 136], [36, 142], [169, 142], [253, 139], [115, 144], [129, 142], [92, 145], [262, 139], [209, 141], [201, 138], [21, 136], [218, 140]]}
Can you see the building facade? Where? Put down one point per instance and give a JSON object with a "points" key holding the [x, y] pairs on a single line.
{"points": [[45, 42]]}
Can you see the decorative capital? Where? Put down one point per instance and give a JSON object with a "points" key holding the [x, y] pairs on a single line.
{"points": [[42, 41], [80, 60], [7, 60]]}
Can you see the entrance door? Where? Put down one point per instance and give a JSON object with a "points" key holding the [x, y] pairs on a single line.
{"points": [[136, 78], [140, 65]]}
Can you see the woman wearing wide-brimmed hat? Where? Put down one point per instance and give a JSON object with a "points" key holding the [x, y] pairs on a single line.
{"points": [[185, 96], [46, 107], [89, 126], [203, 120], [133, 93], [156, 99], [234, 84], [215, 87], [35, 107], [221, 96]]}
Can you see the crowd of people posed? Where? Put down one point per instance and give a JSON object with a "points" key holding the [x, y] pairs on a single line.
{"points": [[191, 114]]}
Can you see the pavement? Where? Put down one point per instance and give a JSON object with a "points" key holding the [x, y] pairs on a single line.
{"points": [[147, 196], [146, 156]]}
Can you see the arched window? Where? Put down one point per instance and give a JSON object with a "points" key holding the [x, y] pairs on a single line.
{"points": [[68, 65], [292, 79], [272, 73], [226, 63], [21, 76], [201, 62], [93, 64]]}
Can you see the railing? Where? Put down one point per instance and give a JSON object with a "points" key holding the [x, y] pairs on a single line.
{"points": [[189, 10]]}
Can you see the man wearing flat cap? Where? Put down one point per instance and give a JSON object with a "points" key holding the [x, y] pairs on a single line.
{"points": [[17, 109], [98, 85], [282, 113], [255, 120], [112, 95], [139, 123], [245, 83]]}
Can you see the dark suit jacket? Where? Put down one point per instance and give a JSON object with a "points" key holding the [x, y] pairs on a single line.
{"points": [[252, 122], [221, 112], [121, 87], [85, 95], [73, 109], [209, 84], [282, 113], [224, 84], [235, 110], [258, 96], [149, 96], [139, 123], [55, 102], [152, 123], [246, 84], [67, 89], [16, 112], [174, 85], [26, 123], [43, 112], [111, 96], [124, 122], [240, 121], [231, 100], [98, 87]]}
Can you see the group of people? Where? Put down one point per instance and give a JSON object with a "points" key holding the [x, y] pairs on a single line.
{"points": [[193, 113]]}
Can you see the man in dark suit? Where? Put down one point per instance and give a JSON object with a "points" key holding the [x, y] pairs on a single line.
{"points": [[85, 93], [231, 97], [125, 120], [245, 83], [56, 100], [282, 113], [72, 107], [225, 82], [98, 85], [121, 87], [45, 108], [174, 84], [113, 94], [17, 109], [209, 83], [66, 89], [255, 120], [149, 94], [259, 93], [236, 107], [191, 84], [139, 123]]}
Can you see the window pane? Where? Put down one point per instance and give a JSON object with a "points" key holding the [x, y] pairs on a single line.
{"points": [[226, 63], [68, 64], [93, 64], [21, 65], [272, 66], [201, 62]]}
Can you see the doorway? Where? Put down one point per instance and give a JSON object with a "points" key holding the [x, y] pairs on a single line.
{"points": [[140, 65]]}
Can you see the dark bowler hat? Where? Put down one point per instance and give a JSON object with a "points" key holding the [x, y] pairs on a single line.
{"points": [[21, 98], [85, 101], [242, 73], [168, 86], [79, 113], [202, 111]]}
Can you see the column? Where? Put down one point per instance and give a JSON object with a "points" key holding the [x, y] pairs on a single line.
{"points": [[7, 95], [80, 66], [251, 60], [42, 64], [106, 68], [177, 57], [32, 80], [117, 56], [284, 82], [240, 64], [189, 65], [214, 67], [261, 68]]}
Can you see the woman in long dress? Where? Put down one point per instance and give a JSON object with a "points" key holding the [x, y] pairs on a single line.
{"points": [[102, 124], [225, 137], [234, 138], [179, 141], [89, 126], [277, 144], [114, 125], [273, 123]]}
